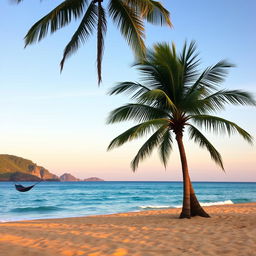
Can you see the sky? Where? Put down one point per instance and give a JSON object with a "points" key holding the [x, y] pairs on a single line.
{"points": [[59, 120]]}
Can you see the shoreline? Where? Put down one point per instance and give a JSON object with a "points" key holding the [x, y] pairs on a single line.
{"points": [[231, 230], [142, 209]]}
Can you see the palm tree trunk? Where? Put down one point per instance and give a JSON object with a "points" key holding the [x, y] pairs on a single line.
{"points": [[196, 208], [99, 40], [186, 211]]}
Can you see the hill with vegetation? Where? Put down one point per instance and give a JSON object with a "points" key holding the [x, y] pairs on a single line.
{"points": [[14, 168], [70, 177]]}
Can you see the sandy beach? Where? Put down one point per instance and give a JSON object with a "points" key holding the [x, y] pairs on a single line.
{"points": [[231, 230]]}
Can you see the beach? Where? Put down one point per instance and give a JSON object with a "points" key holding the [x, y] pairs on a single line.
{"points": [[231, 230]]}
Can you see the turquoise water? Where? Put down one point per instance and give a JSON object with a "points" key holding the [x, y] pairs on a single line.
{"points": [[70, 199]]}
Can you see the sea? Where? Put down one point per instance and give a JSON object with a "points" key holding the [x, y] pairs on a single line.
{"points": [[73, 199]]}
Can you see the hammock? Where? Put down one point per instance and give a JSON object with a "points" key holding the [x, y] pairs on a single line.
{"points": [[21, 188]]}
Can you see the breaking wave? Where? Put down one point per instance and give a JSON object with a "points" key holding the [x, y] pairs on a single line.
{"points": [[179, 206]]}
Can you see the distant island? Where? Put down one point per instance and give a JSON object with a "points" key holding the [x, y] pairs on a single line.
{"points": [[14, 168], [70, 177]]}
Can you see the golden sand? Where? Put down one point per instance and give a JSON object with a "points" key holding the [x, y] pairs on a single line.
{"points": [[230, 231]]}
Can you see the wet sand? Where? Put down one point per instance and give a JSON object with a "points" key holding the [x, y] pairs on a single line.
{"points": [[231, 230]]}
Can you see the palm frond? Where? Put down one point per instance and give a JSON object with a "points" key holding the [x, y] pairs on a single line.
{"points": [[190, 62], [137, 131], [138, 112], [162, 69], [152, 75], [130, 88], [220, 125], [199, 138], [192, 103], [154, 97], [84, 30], [56, 19], [197, 103], [188, 52], [148, 147], [211, 77], [129, 23], [158, 14], [165, 57], [165, 147], [234, 97], [152, 11], [101, 31]]}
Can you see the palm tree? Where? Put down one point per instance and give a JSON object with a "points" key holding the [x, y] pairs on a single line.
{"points": [[128, 15], [175, 96]]}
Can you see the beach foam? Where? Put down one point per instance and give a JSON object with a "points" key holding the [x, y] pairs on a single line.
{"points": [[217, 203], [179, 206], [211, 203]]}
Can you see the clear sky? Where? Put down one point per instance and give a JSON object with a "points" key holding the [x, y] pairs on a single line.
{"points": [[59, 121]]}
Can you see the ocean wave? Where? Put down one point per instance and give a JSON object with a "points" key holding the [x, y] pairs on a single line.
{"points": [[39, 200], [242, 200], [217, 203], [155, 206], [211, 203], [179, 206], [40, 209]]}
